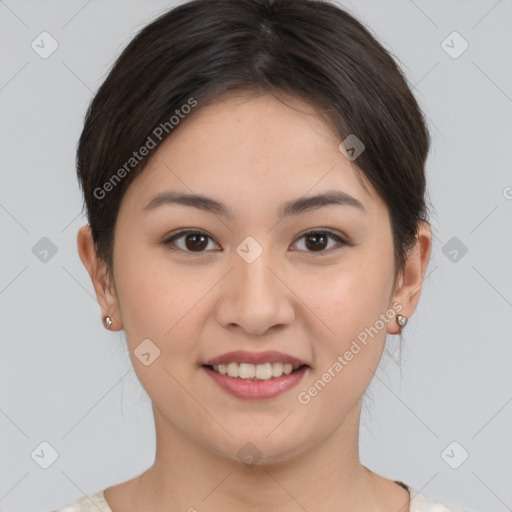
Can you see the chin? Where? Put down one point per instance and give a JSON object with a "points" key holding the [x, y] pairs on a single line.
{"points": [[259, 449]]}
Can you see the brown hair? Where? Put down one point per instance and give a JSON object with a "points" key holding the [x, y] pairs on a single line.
{"points": [[310, 49]]}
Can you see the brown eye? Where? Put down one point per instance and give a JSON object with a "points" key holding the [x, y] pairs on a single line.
{"points": [[190, 241], [194, 241], [318, 241]]}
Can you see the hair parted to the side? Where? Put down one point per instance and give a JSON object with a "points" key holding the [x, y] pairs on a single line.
{"points": [[310, 49]]}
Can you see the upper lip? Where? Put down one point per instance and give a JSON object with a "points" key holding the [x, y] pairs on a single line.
{"points": [[243, 356]]}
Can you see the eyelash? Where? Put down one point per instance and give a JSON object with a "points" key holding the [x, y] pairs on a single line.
{"points": [[169, 241]]}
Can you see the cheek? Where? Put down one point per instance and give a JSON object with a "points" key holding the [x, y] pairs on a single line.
{"points": [[347, 298], [349, 342], [351, 299], [157, 302], [161, 300], [148, 294]]}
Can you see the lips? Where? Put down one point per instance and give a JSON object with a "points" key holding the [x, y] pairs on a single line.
{"points": [[256, 389], [242, 356], [255, 375]]}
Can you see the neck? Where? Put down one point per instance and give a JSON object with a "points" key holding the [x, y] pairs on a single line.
{"points": [[188, 476]]}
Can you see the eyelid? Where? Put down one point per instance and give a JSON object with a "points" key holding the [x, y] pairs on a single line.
{"points": [[182, 233], [341, 240]]}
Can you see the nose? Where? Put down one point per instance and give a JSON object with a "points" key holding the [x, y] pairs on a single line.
{"points": [[256, 297]]}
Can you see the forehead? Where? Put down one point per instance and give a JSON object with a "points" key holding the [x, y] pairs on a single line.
{"points": [[247, 149]]}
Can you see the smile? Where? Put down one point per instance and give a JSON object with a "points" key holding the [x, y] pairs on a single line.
{"points": [[248, 371], [255, 388]]}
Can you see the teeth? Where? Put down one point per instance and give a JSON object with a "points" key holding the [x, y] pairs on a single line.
{"points": [[233, 369], [287, 368], [249, 371], [277, 369], [263, 371]]}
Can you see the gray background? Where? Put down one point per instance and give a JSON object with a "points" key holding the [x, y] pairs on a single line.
{"points": [[67, 381]]}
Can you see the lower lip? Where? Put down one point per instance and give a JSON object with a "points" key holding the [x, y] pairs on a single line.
{"points": [[256, 389]]}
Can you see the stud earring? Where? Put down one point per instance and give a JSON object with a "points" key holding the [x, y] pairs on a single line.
{"points": [[108, 322], [402, 321]]}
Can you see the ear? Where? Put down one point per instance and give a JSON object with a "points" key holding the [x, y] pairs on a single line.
{"points": [[408, 288], [97, 269]]}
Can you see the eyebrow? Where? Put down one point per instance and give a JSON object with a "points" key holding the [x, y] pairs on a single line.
{"points": [[294, 207]]}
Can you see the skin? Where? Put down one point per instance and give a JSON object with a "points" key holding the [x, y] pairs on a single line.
{"points": [[253, 154]]}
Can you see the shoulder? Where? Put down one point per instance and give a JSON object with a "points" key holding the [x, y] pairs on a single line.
{"points": [[420, 503], [92, 503]]}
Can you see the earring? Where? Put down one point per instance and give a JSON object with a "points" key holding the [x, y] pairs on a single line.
{"points": [[108, 322], [402, 321]]}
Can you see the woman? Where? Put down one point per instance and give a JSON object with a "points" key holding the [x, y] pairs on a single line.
{"points": [[253, 174]]}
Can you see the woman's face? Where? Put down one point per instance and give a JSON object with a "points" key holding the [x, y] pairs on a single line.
{"points": [[253, 280]]}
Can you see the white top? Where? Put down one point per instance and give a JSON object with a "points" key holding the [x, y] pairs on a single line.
{"points": [[96, 503]]}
